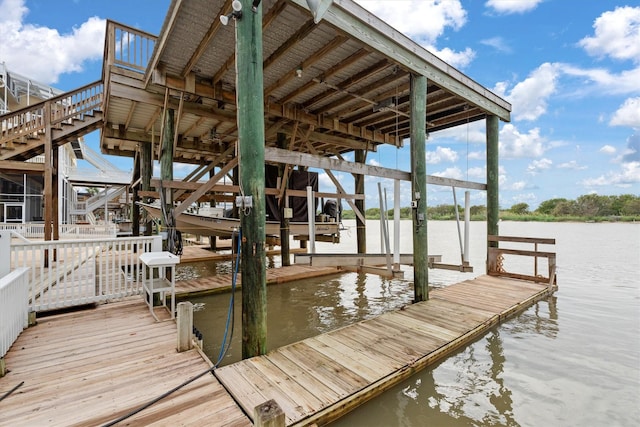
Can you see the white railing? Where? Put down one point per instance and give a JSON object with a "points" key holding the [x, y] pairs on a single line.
{"points": [[14, 309], [66, 231], [66, 273]]}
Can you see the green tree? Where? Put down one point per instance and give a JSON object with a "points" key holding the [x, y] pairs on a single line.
{"points": [[548, 206], [520, 208]]}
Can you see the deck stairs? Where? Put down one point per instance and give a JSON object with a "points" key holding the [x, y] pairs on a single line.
{"points": [[68, 117]]}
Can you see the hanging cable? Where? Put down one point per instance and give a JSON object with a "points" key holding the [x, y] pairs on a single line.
{"points": [[228, 329]]}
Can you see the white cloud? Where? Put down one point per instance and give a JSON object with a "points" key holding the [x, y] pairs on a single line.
{"points": [[498, 43], [43, 53], [517, 186], [441, 154], [598, 80], [477, 173], [529, 97], [408, 16], [628, 114], [512, 6], [453, 172], [514, 144], [539, 165], [628, 175], [616, 35], [608, 149], [572, 165]]}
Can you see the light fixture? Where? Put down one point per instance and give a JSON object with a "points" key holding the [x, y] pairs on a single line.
{"points": [[236, 5], [255, 4], [299, 71]]}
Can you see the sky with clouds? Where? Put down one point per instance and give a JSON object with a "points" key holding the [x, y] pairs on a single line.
{"points": [[570, 69]]}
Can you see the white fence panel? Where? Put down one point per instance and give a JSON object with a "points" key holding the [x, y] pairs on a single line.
{"points": [[67, 273], [14, 315]]}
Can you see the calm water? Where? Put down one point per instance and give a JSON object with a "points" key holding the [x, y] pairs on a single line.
{"points": [[571, 360]]}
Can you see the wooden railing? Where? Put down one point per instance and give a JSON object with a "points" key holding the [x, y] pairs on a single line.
{"points": [[14, 315], [127, 47], [496, 258], [31, 122], [66, 273]]}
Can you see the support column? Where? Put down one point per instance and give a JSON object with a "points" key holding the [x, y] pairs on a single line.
{"points": [[493, 175], [166, 158], [419, 186], [361, 227], [48, 175], [55, 196], [250, 100], [285, 250], [146, 169]]}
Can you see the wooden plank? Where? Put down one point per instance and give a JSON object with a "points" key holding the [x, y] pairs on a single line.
{"points": [[94, 374]]}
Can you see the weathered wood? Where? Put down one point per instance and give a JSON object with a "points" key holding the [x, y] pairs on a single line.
{"points": [[344, 368], [184, 318], [419, 187], [92, 366], [493, 178], [250, 101], [268, 414]]}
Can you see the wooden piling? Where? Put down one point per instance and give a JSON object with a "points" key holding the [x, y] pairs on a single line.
{"points": [[184, 320], [268, 414], [419, 186], [493, 176], [250, 101]]}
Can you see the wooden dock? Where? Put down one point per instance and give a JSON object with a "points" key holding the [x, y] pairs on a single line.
{"points": [[320, 379], [222, 282], [198, 253], [93, 366]]}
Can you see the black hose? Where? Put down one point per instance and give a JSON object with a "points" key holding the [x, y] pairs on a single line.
{"points": [[10, 391]]}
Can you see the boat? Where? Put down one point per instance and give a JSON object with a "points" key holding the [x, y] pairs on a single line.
{"points": [[221, 226]]}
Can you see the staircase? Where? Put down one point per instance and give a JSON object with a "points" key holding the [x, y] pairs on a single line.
{"points": [[67, 117]]}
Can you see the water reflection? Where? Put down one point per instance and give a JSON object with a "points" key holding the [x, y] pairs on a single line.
{"points": [[303, 309]]}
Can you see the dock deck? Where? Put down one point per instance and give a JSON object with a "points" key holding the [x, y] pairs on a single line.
{"points": [[320, 379], [90, 367]]}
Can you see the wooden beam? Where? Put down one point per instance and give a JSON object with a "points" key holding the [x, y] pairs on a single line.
{"points": [[23, 167], [204, 187], [372, 31]]}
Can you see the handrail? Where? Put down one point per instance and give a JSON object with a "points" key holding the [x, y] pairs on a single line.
{"points": [[127, 47], [495, 258], [31, 121]]}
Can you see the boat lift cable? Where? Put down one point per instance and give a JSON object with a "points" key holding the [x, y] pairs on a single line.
{"points": [[226, 343], [174, 237]]}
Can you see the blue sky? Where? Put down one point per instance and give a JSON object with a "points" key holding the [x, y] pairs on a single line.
{"points": [[570, 68]]}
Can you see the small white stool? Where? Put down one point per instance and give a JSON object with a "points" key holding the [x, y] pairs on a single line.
{"points": [[160, 261]]}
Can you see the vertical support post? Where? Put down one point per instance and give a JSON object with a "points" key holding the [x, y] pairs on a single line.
{"points": [[396, 225], [285, 250], [268, 414], [311, 219], [361, 227], [418, 125], [55, 196], [5, 248], [166, 158], [146, 169], [493, 201], [48, 174], [467, 225], [250, 101], [185, 325]]}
